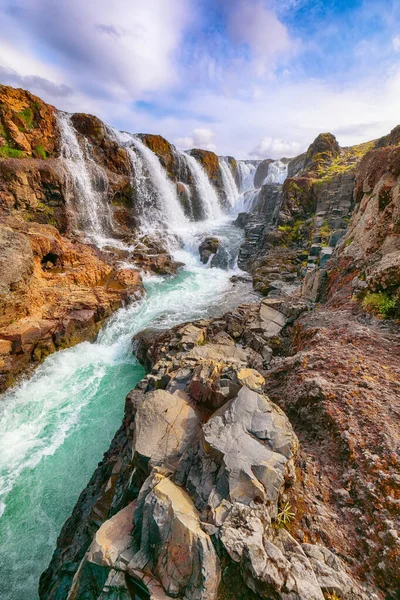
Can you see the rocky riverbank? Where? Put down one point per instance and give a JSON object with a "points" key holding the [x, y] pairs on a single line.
{"points": [[210, 491]]}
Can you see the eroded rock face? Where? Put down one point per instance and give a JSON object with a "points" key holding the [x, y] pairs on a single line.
{"points": [[54, 293], [27, 125]]}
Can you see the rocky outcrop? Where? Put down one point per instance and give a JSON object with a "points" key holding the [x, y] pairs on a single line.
{"points": [[27, 125], [215, 494], [208, 248], [53, 293], [56, 289]]}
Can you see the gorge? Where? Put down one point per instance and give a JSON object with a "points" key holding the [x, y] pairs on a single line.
{"points": [[225, 299]]}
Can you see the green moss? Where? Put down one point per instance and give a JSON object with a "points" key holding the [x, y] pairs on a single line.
{"points": [[293, 232], [7, 152], [381, 303], [40, 152], [348, 242], [28, 117]]}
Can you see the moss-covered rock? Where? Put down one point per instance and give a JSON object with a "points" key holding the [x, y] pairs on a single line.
{"points": [[27, 125], [321, 153]]}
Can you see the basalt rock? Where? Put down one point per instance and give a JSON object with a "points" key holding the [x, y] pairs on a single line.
{"points": [[207, 485]]}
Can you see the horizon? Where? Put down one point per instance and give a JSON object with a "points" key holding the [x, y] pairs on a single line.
{"points": [[252, 79]]}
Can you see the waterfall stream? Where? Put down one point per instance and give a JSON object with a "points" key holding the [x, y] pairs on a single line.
{"points": [[228, 181], [87, 185], [205, 190]]}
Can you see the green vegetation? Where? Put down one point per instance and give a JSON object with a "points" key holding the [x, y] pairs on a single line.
{"points": [[381, 303], [285, 515], [28, 117], [7, 152], [331, 596], [40, 151], [293, 232]]}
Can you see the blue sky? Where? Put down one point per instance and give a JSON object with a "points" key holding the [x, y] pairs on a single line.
{"points": [[251, 78]]}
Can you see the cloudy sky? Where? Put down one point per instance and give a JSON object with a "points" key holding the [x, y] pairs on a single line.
{"points": [[251, 78]]}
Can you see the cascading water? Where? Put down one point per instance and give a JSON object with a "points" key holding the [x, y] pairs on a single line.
{"points": [[87, 185], [230, 187], [158, 206], [205, 190], [277, 172], [248, 195]]}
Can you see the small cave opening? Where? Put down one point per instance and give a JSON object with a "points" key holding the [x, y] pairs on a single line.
{"points": [[137, 589], [50, 260]]}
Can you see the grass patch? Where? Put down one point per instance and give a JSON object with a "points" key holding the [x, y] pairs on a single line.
{"points": [[381, 304], [293, 232], [40, 152], [7, 152], [332, 596], [28, 117]]}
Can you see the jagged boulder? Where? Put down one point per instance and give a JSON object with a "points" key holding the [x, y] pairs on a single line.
{"points": [[245, 454], [166, 425], [173, 541]]}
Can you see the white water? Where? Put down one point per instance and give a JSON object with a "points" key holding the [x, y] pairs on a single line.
{"points": [[248, 194], [83, 177], [277, 172], [246, 176], [230, 187], [205, 190]]}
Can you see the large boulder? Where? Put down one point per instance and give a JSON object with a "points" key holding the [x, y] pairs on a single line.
{"points": [[165, 426], [207, 248], [172, 540], [245, 455]]}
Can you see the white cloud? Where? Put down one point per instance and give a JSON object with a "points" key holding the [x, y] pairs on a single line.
{"points": [[257, 26], [269, 147], [121, 49], [396, 43], [200, 138]]}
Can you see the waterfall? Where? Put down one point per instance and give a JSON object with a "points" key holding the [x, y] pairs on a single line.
{"points": [[277, 172], [230, 187], [248, 194], [205, 190], [156, 196], [87, 183]]}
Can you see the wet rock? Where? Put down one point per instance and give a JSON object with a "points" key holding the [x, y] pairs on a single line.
{"points": [[207, 248]]}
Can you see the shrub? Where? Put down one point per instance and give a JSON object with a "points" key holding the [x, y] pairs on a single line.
{"points": [[380, 303]]}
